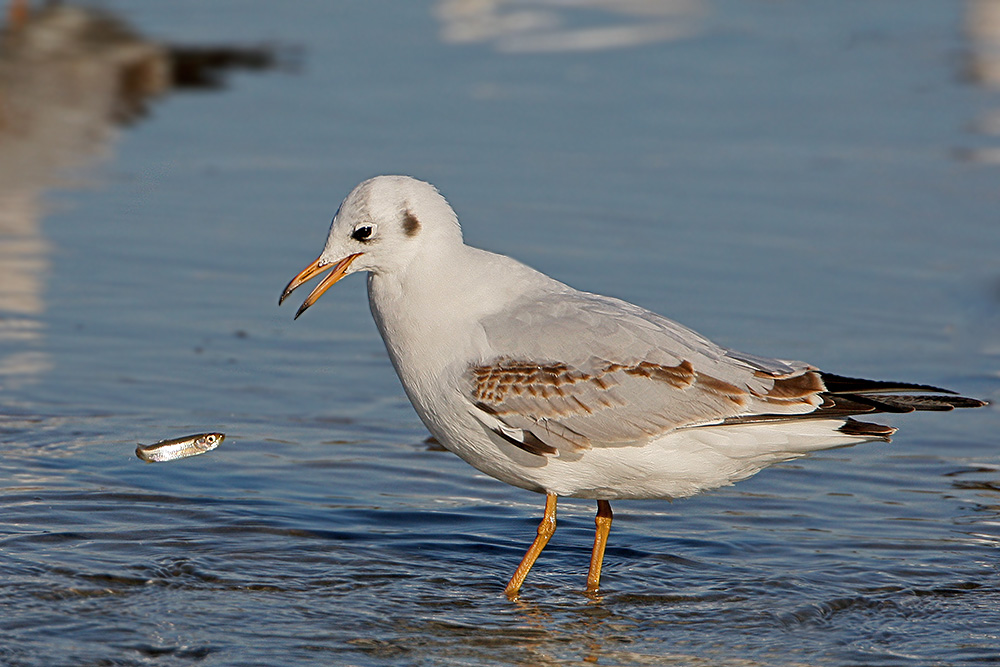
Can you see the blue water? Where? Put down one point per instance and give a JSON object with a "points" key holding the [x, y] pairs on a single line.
{"points": [[807, 180]]}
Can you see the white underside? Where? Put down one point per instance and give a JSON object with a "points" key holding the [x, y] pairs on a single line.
{"points": [[678, 465]]}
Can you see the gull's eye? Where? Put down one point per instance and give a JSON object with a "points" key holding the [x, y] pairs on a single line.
{"points": [[363, 233]]}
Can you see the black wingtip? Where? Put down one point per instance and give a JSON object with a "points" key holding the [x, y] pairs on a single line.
{"points": [[966, 402], [867, 429], [842, 384]]}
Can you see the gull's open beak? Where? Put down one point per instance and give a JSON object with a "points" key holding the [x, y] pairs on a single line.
{"points": [[310, 272]]}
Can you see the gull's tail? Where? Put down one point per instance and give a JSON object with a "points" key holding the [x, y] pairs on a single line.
{"points": [[847, 397]]}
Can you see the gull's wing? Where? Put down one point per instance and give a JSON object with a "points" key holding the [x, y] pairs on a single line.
{"points": [[573, 370]]}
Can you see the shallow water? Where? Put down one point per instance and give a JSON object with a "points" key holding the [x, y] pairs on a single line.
{"points": [[791, 179]]}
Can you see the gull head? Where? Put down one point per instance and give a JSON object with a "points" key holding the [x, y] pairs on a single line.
{"points": [[382, 226]]}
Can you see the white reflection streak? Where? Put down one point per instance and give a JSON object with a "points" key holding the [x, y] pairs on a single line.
{"points": [[23, 261], [539, 26], [68, 76]]}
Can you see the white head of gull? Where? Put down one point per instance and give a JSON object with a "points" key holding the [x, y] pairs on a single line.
{"points": [[569, 393]]}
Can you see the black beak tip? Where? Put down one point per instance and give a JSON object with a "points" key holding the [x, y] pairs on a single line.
{"points": [[284, 294]]}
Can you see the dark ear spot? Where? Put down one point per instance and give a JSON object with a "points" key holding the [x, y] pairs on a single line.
{"points": [[410, 223]]}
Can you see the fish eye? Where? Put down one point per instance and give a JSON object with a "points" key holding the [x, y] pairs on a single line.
{"points": [[363, 233], [209, 439]]}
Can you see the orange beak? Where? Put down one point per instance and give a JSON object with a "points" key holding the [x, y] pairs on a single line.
{"points": [[310, 272]]}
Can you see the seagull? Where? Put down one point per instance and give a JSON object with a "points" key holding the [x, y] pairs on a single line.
{"points": [[574, 394]]}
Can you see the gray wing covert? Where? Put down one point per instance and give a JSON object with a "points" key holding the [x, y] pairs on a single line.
{"points": [[578, 370]]}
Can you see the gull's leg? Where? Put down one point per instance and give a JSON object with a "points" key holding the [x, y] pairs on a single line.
{"points": [[545, 530], [603, 521]]}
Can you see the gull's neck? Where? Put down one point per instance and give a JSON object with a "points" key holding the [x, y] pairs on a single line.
{"points": [[428, 312]]}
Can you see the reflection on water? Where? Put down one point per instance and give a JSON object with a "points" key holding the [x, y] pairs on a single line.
{"points": [[982, 21], [982, 67], [533, 26], [69, 78]]}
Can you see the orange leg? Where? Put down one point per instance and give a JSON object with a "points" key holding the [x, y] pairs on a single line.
{"points": [[603, 521], [545, 531]]}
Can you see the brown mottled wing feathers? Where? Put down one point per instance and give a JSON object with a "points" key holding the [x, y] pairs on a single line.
{"points": [[571, 371], [614, 403]]}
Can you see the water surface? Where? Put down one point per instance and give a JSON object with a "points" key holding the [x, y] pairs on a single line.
{"points": [[791, 179]]}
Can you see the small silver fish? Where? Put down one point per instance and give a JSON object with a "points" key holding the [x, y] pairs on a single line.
{"points": [[179, 448]]}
